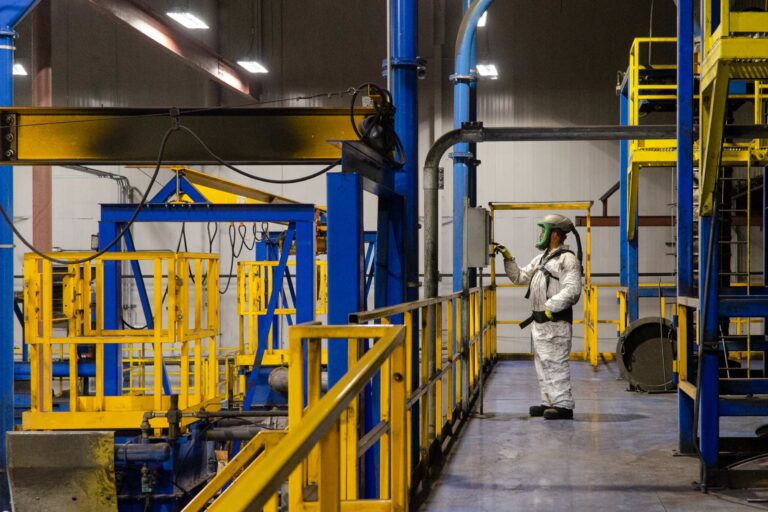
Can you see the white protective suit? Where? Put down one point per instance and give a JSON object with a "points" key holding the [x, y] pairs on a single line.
{"points": [[551, 340]]}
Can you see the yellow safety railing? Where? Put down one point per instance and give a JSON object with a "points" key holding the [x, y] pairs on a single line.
{"points": [[314, 456], [254, 288], [323, 446], [186, 324], [445, 379]]}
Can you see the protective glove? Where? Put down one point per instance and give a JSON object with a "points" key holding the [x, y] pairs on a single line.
{"points": [[548, 313], [500, 249]]}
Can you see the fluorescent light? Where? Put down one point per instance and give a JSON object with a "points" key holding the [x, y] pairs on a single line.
{"points": [[252, 66], [19, 70], [483, 19], [188, 20], [488, 71]]}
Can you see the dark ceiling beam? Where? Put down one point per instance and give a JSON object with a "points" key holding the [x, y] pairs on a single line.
{"points": [[197, 55]]}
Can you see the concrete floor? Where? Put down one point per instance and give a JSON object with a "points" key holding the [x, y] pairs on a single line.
{"points": [[617, 454]]}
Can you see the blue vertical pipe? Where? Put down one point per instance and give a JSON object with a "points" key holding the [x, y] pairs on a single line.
{"points": [[6, 268], [405, 96], [404, 82], [463, 84], [685, 198], [11, 11]]}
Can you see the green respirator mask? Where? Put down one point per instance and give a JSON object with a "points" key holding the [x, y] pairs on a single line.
{"points": [[544, 235]]}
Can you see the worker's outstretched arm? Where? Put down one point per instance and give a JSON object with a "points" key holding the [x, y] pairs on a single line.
{"points": [[516, 274], [570, 285]]}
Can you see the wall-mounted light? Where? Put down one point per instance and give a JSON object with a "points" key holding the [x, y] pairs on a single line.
{"points": [[19, 70], [488, 71], [483, 19], [187, 20], [252, 66]]}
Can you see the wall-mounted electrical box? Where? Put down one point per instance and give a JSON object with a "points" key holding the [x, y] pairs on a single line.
{"points": [[477, 235]]}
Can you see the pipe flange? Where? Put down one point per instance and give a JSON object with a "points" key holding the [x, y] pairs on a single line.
{"points": [[462, 156], [464, 79]]}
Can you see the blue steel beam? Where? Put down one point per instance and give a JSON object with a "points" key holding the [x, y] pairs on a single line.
{"points": [[709, 422], [345, 260], [685, 27], [745, 306], [265, 326], [211, 213], [11, 11], [653, 291], [112, 296], [177, 186]]}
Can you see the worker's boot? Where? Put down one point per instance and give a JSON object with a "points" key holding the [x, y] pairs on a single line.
{"points": [[558, 413], [537, 411]]}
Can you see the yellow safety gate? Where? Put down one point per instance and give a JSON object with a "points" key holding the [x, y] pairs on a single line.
{"points": [[590, 319], [185, 328]]}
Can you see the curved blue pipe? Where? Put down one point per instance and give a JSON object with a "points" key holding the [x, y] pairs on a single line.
{"points": [[463, 111]]}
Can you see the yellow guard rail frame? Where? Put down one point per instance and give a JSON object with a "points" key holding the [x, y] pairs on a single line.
{"points": [[187, 323], [322, 449]]}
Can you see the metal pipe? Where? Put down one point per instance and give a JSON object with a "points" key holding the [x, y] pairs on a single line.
{"points": [[142, 452], [477, 133], [243, 433]]}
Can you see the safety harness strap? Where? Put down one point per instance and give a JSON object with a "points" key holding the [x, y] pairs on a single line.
{"points": [[542, 268], [540, 317]]}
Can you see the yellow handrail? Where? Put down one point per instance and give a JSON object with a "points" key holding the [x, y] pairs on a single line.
{"points": [[261, 480]]}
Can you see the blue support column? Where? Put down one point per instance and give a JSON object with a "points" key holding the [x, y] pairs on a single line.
{"points": [[709, 424], [345, 260], [305, 272], [686, 438], [685, 148], [10, 14], [113, 303], [628, 268], [6, 270]]}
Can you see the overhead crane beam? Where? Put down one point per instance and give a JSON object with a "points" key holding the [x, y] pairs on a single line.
{"points": [[193, 53], [129, 136]]}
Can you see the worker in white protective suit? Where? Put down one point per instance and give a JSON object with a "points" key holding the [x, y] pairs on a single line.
{"points": [[554, 287]]}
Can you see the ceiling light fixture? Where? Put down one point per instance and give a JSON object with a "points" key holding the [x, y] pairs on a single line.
{"points": [[488, 71], [188, 20], [19, 70], [483, 19], [252, 66]]}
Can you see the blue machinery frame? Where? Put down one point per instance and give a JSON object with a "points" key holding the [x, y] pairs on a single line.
{"points": [[712, 302]]}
